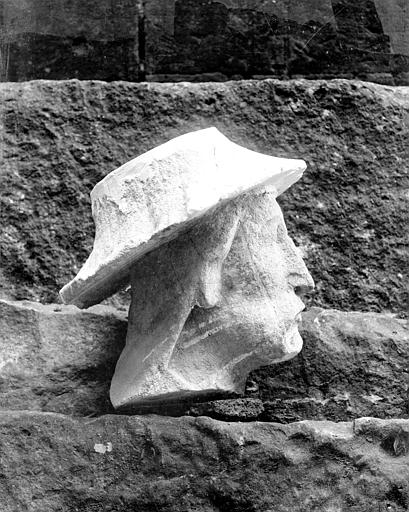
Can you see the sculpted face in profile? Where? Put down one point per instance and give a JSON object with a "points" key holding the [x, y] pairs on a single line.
{"points": [[214, 296]]}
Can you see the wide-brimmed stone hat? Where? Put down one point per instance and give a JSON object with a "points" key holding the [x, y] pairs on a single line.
{"points": [[151, 199]]}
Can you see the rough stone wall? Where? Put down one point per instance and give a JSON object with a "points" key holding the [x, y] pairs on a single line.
{"points": [[60, 359], [51, 462], [199, 40], [348, 213], [57, 139]]}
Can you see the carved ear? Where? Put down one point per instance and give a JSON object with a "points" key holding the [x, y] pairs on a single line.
{"points": [[210, 272]]}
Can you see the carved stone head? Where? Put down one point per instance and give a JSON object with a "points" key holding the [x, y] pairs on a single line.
{"points": [[214, 295]]}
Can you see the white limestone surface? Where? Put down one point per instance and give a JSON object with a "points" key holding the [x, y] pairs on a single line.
{"points": [[153, 198], [212, 305]]}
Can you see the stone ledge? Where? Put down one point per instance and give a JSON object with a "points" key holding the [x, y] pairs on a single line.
{"points": [[54, 462], [59, 358]]}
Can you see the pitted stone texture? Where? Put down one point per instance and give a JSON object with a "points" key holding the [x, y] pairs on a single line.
{"points": [[60, 138], [63, 361], [53, 462], [236, 409], [152, 198]]}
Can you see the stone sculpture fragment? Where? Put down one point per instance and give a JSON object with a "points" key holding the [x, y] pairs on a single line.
{"points": [[194, 227]]}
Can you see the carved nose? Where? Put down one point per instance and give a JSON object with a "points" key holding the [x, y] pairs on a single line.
{"points": [[301, 281], [298, 276]]}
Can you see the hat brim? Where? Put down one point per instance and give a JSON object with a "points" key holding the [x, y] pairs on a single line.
{"points": [[152, 199]]}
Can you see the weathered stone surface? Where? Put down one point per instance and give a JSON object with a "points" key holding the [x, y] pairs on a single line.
{"points": [[55, 359], [210, 302], [235, 409], [53, 462], [58, 139], [352, 364], [153, 198], [212, 305]]}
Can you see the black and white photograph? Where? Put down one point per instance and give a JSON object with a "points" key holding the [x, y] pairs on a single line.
{"points": [[204, 255]]}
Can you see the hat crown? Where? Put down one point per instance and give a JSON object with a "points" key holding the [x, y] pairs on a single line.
{"points": [[152, 198]]}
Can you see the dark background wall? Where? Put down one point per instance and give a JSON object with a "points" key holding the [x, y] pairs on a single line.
{"points": [[59, 39], [173, 40]]}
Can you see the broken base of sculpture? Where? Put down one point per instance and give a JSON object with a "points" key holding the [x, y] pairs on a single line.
{"points": [[195, 228]]}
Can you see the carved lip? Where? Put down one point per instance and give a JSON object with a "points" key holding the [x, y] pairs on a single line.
{"points": [[294, 322], [298, 316]]}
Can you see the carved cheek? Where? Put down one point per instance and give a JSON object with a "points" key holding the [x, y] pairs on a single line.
{"points": [[256, 299], [272, 288], [270, 270]]}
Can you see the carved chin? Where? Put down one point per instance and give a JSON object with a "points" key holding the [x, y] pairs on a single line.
{"points": [[292, 344]]}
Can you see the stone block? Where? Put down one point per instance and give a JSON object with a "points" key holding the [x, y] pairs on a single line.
{"points": [[55, 358], [352, 364], [59, 358], [55, 462], [58, 139]]}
